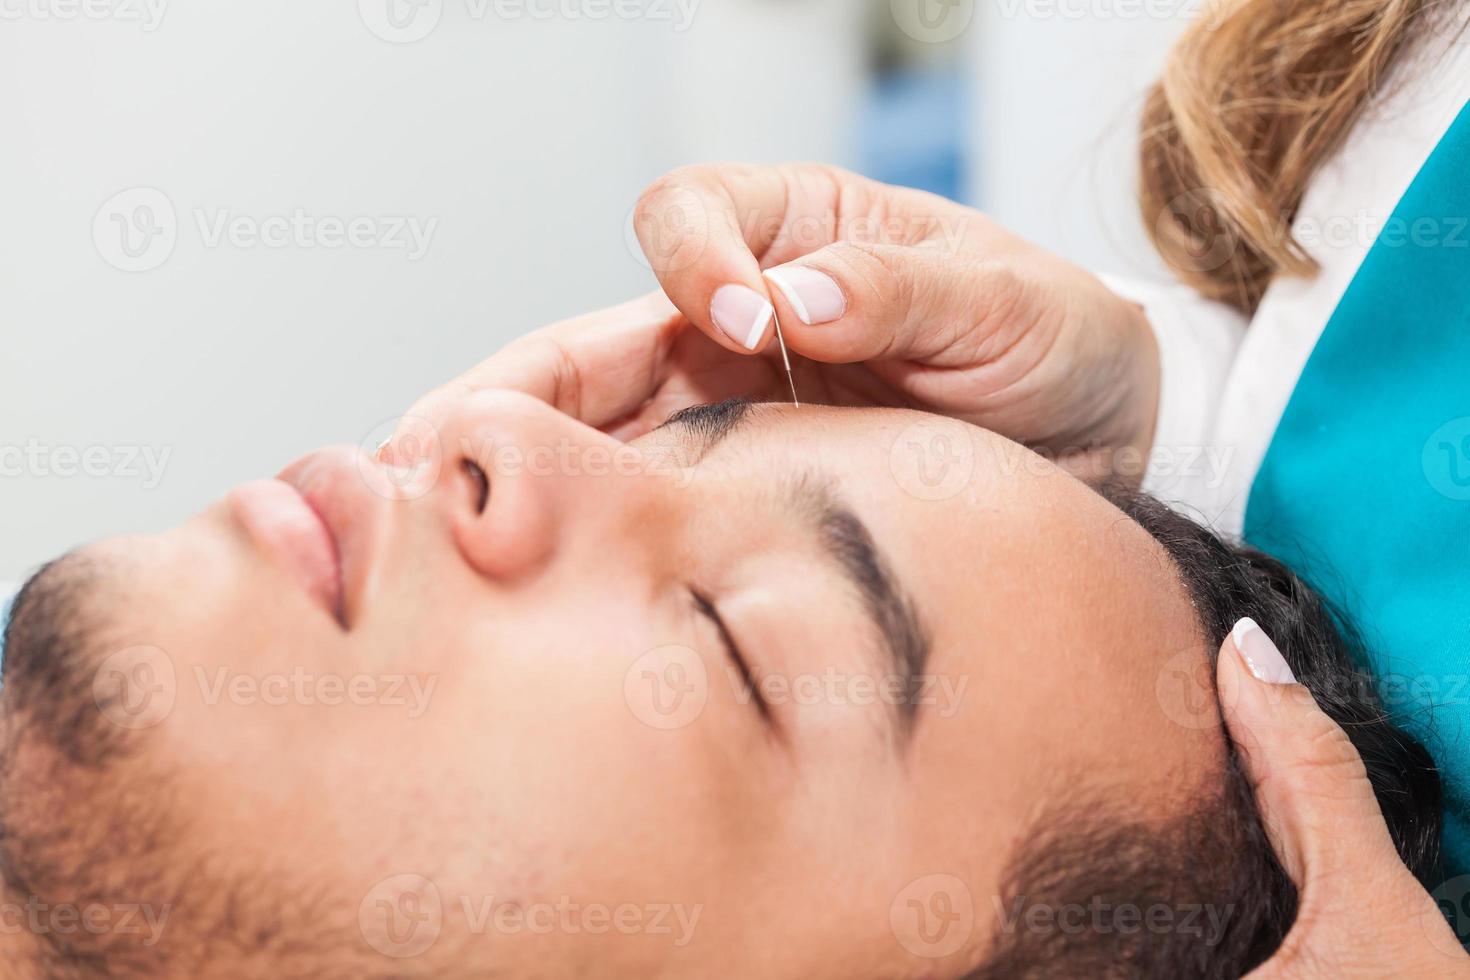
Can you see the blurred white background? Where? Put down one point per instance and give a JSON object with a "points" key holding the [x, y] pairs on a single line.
{"points": [[513, 135]]}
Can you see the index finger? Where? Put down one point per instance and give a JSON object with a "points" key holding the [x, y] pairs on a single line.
{"points": [[707, 230]]}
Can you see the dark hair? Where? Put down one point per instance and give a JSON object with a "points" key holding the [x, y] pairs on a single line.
{"points": [[1093, 894]]}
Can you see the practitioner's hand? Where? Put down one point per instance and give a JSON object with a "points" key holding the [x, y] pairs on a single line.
{"points": [[1363, 916], [897, 297], [624, 370], [912, 300]]}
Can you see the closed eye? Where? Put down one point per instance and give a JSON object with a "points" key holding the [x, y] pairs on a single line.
{"points": [[732, 650]]}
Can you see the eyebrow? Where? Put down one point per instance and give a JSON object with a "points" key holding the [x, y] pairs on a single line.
{"points": [[848, 542], [707, 425]]}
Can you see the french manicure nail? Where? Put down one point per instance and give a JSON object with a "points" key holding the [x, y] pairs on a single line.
{"points": [[814, 295], [742, 314], [1261, 656]]}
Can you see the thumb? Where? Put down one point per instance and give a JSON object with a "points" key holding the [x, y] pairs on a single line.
{"points": [[1324, 822], [1309, 779], [854, 301]]}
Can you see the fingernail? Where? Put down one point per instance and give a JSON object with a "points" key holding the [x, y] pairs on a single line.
{"points": [[742, 314], [814, 295], [1260, 654]]}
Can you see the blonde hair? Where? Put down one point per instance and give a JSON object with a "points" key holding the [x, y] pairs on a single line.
{"points": [[1252, 101]]}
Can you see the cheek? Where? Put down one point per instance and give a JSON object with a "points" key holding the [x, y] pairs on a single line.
{"points": [[541, 756]]}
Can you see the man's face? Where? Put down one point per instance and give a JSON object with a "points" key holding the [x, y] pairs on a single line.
{"points": [[767, 693]]}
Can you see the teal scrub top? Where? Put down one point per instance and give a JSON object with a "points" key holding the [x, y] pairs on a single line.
{"points": [[1365, 487]]}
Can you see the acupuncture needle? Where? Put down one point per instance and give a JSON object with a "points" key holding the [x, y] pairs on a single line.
{"points": [[785, 358]]}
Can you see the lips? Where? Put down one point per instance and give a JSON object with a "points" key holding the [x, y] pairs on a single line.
{"points": [[290, 530], [321, 519]]}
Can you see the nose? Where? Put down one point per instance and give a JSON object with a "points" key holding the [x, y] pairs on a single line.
{"points": [[521, 481]]}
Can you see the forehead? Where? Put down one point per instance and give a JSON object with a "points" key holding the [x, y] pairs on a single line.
{"points": [[1041, 595], [985, 534], [918, 476]]}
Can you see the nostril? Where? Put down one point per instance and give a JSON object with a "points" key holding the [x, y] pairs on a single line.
{"points": [[479, 481]]}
